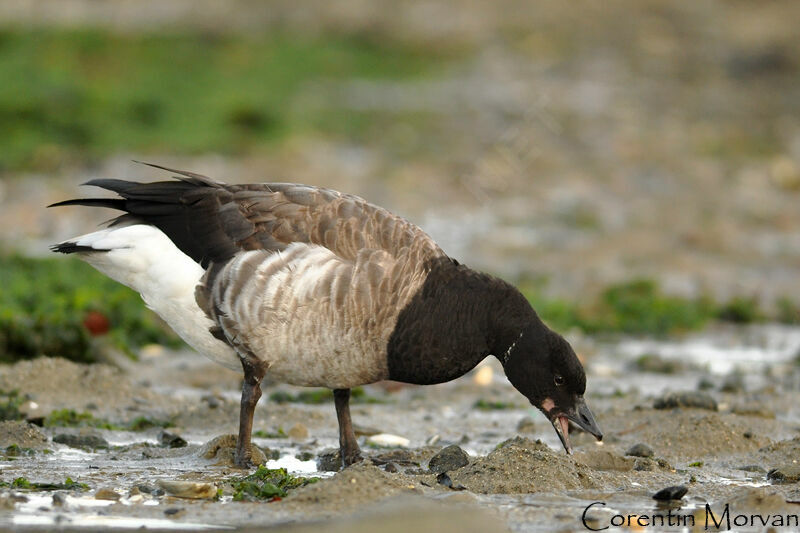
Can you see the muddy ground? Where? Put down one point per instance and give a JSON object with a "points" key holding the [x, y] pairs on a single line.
{"points": [[517, 477]]}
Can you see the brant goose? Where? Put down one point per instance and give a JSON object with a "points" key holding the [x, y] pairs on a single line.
{"points": [[321, 289]]}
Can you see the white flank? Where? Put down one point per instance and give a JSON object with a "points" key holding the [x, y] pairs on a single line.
{"points": [[143, 258]]}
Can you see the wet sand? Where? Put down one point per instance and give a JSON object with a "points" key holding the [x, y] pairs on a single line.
{"points": [[517, 477]]}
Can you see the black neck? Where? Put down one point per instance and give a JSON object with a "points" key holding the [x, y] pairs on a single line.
{"points": [[457, 318]]}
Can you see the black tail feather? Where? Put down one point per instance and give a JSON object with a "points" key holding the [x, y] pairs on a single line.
{"points": [[71, 248], [193, 177], [185, 210], [113, 203]]}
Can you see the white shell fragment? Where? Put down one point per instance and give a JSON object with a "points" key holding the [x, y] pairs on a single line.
{"points": [[388, 440]]}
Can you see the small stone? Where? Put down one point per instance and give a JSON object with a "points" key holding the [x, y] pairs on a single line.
{"points": [[105, 493], [298, 432], [223, 450], [785, 474], [444, 479], [697, 399], [150, 489], [705, 383], [391, 468], [644, 464], [526, 425], [212, 401], [305, 456], [450, 458], [81, 440], [640, 450], [59, 499], [171, 440], [189, 489], [675, 492], [662, 463], [329, 460], [173, 511], [733, 383], [387, 440]]}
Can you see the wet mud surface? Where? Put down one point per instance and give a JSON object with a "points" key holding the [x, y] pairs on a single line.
{"points": [[515, 478]]}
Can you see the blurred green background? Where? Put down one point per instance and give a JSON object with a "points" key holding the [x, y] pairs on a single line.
{"points": [[634, 165]]}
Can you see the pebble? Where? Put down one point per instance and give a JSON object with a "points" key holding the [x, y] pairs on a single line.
{"points": [[189, 489], [223, 448], [698, 399], [450, 458], [733, 383], [388, 440], [785, 474], [329, 460], [150, 489], [212, 401], [444, 479], [82, 440], [305, 456], [644, 464], [59, 499], [171, 440], [640, 450], [526, 425], [676, 492], [298, 432], [391, 468], [705, 383], [105, 493]]}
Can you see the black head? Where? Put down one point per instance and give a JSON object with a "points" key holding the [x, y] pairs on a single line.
{"points": [[543, 367]]}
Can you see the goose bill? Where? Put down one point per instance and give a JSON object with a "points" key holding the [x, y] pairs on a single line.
{"points": [[561, 425]]}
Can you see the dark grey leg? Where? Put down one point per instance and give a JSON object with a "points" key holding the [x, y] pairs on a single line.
{"points": [[251, 392], [348, 446]]}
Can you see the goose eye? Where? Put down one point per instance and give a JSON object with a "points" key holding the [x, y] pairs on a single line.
{"points": [[559, 379]]}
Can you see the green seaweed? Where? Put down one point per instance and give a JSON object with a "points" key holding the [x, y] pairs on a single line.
{"points": [[45, 302], [10, 403], [740, 310], [490, 405], [69, 484], [80, 94], [72, 418], [267, 484], [319, 396], [278, 434]]}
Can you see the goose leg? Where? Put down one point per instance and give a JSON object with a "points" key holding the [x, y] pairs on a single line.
{"points": [[251, 392], [348, 446]]}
